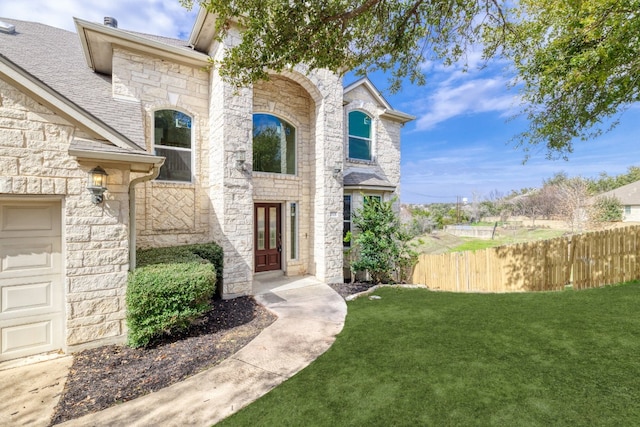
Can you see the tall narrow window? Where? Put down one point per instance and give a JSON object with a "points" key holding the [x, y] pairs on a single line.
{"points": [[274, 145], [346, 220], [294, 230], [359, 136], [172, 139]]}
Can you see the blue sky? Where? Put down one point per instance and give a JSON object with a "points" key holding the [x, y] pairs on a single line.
{"points": [[457, 146]]}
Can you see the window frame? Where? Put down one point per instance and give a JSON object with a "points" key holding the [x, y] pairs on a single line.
{"points": [[294, 214], [345, 219], [370, 140], [295, 143], [190, 150]]}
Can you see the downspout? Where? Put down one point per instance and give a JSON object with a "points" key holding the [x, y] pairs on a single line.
{"points": [[132, 211]]}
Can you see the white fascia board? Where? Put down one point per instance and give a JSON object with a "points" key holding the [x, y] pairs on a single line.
{"points": [[134, 41]]}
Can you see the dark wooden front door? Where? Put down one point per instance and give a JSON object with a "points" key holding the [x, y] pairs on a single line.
{"points": [[268, 237]]}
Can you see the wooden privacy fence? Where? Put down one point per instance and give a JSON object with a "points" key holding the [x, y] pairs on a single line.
{"points": [[586, 260]]}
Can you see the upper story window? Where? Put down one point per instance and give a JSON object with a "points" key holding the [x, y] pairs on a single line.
{"points": [[360, 136], [274, 145], [172, 139]]}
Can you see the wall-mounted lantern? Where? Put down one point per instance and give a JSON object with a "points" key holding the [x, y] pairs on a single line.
{"points": [[97, 183], [241, 158], [337, 169]]}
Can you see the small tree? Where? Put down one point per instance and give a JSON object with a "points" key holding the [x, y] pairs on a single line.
{"points": [[381, 245]]}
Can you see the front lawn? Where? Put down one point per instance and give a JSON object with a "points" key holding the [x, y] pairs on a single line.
{"points": [[417, 357]]}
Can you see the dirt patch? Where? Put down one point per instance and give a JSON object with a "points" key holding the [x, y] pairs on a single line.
{"points": [[108, 375]]}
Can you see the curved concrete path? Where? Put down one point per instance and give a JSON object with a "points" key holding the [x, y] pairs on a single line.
{"points": [[310, 315]]}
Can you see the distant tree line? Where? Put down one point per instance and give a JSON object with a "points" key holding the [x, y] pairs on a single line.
{"points": [[570, 199]]}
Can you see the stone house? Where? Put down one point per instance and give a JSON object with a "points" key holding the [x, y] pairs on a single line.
{"points": [[265, 171]]}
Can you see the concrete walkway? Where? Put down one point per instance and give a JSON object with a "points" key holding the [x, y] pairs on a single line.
{"points": [[310, 315]]}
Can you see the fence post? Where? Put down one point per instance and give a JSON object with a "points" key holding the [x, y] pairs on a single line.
{"points": [[572, 254]]}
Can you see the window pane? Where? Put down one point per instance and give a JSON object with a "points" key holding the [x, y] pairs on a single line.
{"points": [[274, 145], [261, 228], [346, 223], [177, 166], [359, 148], [359, 124], [294, 231], [172, 129], [272, 228]]}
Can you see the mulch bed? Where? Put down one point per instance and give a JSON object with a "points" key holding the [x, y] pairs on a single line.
{"points": [[112, 374]]}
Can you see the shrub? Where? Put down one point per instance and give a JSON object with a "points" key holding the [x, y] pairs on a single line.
{"points": [[606, 209], [170, 289], [381, 244]]}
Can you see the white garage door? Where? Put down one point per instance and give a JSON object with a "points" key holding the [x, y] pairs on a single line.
{"points": [[31, 292]]}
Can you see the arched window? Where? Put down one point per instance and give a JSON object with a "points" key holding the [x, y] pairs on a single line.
{"points": [[274, 145], [172, 139], [359, 136]]}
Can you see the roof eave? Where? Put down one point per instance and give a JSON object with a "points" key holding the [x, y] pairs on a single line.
{"points": [[370, 187], [97, 41], [137, 162], [398, 116]]}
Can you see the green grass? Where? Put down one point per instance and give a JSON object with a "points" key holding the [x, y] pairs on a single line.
{"points": [[417, 357], [441, 242]]}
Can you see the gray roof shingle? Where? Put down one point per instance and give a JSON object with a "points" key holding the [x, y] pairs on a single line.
{"points": [[364, 179], [54, 56]]}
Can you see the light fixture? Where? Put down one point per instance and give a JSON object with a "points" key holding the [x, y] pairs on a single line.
{"points": [[337, 168], [97, 184], [240, 160]]}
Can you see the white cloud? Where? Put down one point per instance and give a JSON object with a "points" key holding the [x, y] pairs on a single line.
{"points": [[161, 17], [470, 97]]}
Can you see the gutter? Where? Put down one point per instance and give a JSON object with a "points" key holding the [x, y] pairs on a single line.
{"points": [[132, 211]]}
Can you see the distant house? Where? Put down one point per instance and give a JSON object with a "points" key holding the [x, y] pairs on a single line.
{"points": [[629, 196], [271, 172]]}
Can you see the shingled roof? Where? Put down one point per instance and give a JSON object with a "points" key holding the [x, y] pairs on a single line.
{"points": [[363, 180], [627, 194], [55, 57]]}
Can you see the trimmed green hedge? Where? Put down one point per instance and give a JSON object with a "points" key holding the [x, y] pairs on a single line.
{"points": [[170, 289]]}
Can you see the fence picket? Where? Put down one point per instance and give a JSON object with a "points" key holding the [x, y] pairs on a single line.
{"points": [[586, 260]]}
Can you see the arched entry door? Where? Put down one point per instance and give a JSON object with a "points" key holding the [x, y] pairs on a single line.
{"points": [[267, 237]]}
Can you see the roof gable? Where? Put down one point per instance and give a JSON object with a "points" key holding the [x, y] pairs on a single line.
{"points": [[389, 112]]}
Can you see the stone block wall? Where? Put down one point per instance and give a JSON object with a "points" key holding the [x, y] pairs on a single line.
{"points": [[169, 213], [34, 162]]}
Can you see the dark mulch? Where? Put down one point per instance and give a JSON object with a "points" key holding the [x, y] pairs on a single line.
{"points": [[112, 374]]}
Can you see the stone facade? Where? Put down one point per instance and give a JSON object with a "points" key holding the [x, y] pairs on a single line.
{"points": [[34, 159], [217, 204], [168, 213]]}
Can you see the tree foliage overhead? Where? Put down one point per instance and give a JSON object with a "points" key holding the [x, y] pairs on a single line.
{"points": [[349, 35], [578, 63], [577, 60]]}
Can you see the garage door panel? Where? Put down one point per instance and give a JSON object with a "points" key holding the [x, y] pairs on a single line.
{"points": [[29, 256], [20, 339], [29, 219], [27, 297]]}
